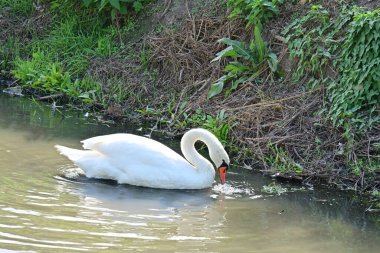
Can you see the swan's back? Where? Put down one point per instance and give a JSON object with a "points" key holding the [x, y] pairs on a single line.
{"points": [[135, 160]]}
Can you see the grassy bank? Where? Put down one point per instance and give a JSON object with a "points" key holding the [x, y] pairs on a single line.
{"points": [[290, 87]]}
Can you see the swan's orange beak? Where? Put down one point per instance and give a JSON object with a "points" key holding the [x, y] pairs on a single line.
{"points": [[222, 172]]}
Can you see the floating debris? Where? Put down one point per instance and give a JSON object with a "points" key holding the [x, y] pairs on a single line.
{"points": [[14, 91]]}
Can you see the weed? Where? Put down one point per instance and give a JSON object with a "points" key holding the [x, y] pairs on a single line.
{"points": [[254, 12], [314, 41], [116, 7], [18, 7], [362, 166], [311, 47], [218, 125], [281, 161], [47, 77], [355, 96], [248, 63], [8, 51], [117, 93]]}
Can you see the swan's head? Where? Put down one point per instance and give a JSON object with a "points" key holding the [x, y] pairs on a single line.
{"points": [[221, 161]]}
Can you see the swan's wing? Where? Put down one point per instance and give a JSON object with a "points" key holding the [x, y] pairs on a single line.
{"points": [[132, 148], [141, 161]]}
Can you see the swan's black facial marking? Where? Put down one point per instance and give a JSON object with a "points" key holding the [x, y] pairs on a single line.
{"points": [[224, 164]]}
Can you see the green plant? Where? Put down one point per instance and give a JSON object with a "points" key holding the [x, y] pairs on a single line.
{"points": [[254, 12], [72, 44], [355, 96], [280, 161], [311, 42], [9, 50], [218, 124], [19, 7], [116, 7], [117, 93], [314, 42], [248, 62], [46, 77], [362, 166]]}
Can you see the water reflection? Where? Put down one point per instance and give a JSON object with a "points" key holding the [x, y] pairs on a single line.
{"points": [[133, 198]]}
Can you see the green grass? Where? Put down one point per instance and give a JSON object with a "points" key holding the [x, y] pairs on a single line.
{"points": [[74, 45], [18, 7], [44, 76], [58, 61], [9, 50]]}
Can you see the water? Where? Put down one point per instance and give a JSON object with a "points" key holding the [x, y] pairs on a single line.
{"points": [[45, 206]]}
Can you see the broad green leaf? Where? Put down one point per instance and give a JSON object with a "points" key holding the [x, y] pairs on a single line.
{"points": [[115, 4], [103, 3], [273, 62], [240, 48], [236, 68], [224, 53], [217, 87], [260, 45], [87, 2], [123, 10]]}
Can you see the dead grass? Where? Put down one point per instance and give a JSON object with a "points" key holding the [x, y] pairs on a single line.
{"points": [[183, 57]]}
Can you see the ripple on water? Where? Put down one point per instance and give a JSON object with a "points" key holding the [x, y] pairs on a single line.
{"points": [[232, 191]]}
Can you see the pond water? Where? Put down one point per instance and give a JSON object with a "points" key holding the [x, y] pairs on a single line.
{"points": [[45, 207]]}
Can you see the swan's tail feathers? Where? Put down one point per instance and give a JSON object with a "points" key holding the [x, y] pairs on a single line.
{"points": [[72, 154]]}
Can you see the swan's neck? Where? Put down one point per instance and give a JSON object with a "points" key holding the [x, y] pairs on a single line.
{"points": [[191, 154]]}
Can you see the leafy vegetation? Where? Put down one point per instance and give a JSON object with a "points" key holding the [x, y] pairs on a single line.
{"points": [[249, 61], [280, 161], [217, 125], [57, 63], [254, 12], [312, 47], [18, 7], [46, 78], [116, 7], [355, 94]]}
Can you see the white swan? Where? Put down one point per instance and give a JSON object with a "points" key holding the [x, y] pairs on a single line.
{"points": [[136, 160]]}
